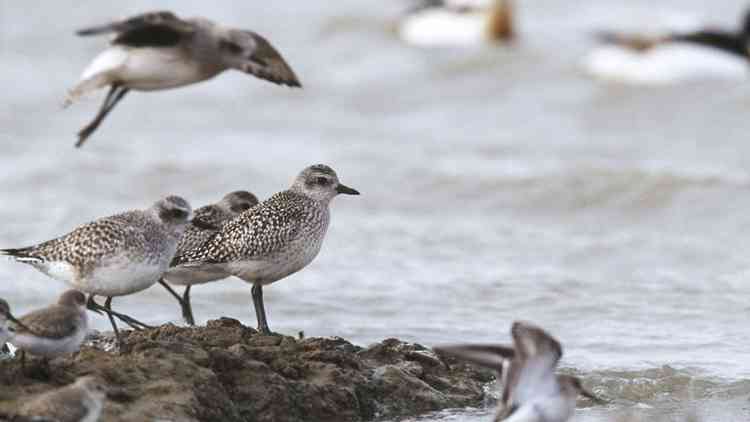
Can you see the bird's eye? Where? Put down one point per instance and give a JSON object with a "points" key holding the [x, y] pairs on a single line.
{"points": [[321, 181]]}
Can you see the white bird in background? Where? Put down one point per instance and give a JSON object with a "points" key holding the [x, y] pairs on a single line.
{"points": [[678, 56], [436, 23], [158, 50], [532, 392]]}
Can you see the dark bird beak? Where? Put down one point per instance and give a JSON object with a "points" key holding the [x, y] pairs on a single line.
{"points": [[346, 190], [15, 321]]}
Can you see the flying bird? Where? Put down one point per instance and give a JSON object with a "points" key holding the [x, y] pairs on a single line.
{"points": [[532, 392], [158, 50]]}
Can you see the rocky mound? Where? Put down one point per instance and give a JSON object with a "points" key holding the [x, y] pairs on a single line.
{"points": [[228, 372]]}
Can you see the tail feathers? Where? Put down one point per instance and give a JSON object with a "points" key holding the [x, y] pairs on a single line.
{"points": [[85, 86], [21, 255]]}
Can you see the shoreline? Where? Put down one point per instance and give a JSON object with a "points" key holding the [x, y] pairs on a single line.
{"points": [[226, 371]]}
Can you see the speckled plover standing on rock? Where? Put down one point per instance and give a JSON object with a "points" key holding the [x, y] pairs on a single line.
{"points": [[207, 221], [532, 391], [6, 321], [113, 256], [81, 401], [275, 238], [55, 330], [158, 50]]}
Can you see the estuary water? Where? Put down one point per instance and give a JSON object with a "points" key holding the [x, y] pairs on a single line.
{"points": [[497, 184]]}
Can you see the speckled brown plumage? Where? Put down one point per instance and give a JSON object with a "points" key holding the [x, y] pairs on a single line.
{"points": [[263, 230], [207, 220], [55, 321], [141, 237]]}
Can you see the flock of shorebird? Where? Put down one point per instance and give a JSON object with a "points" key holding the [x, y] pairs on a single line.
{"points": [[258, 242]]}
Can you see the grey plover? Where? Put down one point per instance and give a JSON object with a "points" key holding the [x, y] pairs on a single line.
{"points": [[113, 256], [158, 50], [7, 320], [81, 401], [531, 389], [55, 330], [207, 221], [275, 238]]}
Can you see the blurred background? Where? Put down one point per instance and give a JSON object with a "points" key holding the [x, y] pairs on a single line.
{"points": [[499, 182]]}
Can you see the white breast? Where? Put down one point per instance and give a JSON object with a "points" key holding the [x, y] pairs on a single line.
{"points": [[119, 276], [297, 256], [49, 348], [147, 69], [667, 64]]}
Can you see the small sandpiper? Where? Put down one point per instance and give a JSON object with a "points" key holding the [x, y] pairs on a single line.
{"points": [[275, 238], [54, 331], [81, 401], [7, 320], [532, 392], [207, 221], [158, 50], [113, 256]]}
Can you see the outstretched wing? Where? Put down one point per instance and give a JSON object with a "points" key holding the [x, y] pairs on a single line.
{"points": [[152, 29], [486, 355], [250, 53]]}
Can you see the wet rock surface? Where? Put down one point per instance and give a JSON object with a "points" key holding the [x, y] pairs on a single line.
{"points": [[228, 372]]}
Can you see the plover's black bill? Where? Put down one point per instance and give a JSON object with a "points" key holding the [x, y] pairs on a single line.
{"points": [[346, 190], [15, 320]]}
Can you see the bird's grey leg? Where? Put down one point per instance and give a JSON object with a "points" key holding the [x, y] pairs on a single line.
{"points": [[187, 308], [115, 94], [130, 321], [108, 307], [187, 312], [91, 305], [260, 311]]}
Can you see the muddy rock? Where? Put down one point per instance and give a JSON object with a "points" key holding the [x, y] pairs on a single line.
{"points": [[228, 372]]}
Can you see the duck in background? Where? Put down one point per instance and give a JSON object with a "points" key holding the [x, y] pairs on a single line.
{"points": [[456, 23], [673, 57]]}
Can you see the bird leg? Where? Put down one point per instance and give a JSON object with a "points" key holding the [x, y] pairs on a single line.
{"points": [[115, 94], [260, 311], [184, 300], [107, 306], [187, 308], [130, 321]]}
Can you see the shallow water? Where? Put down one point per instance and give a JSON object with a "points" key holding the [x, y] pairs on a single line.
{"points": [[498, 184]]}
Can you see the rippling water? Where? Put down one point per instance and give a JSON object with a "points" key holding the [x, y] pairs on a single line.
{"points": [[498, 184]]}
